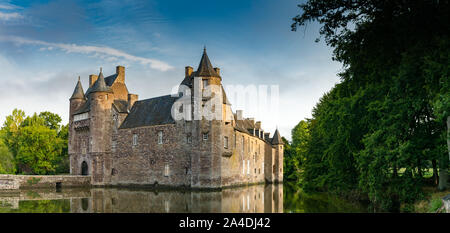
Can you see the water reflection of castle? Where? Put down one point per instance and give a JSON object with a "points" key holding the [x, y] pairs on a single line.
{"points": [[252, 199]]}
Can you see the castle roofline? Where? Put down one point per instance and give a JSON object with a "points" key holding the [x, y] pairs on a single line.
{"points": [[78, 92], [205, 69], [276, 140], [100, 84]]}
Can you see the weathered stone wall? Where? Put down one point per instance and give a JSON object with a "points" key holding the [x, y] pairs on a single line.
{"points": [[78, 154], [279, 156], [145, 162], [37, 181], [246, 164]]}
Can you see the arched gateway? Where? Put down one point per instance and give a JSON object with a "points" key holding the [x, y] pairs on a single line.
{"points": [[84, 169]]}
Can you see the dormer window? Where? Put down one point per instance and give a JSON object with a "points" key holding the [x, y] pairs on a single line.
{"points": [[205, 136], [80, 117]]}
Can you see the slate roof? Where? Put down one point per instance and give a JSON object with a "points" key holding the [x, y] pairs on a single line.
{"points": [[276, 140], [85, 107], [148, 112], [78, 93], [109, 81], [121, 105], [100, 84], [205, 68]]}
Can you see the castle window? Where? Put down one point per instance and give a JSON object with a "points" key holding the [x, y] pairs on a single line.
{"points": [[205, 83], [113, 146], [80, 117], [225, 142], [135, 138], [243, 166], [248, 167], [205, 136], [166, 170], [242, 141], [83, 147], [160, 137], [189, 139]]}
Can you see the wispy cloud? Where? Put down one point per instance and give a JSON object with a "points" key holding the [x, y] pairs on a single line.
{"points": [[10, 16], [7, 6], [101, 51]]}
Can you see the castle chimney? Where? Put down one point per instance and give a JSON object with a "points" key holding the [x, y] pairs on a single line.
{"points": [[217, 70], [188, 71], [132, 98], [239, 115], [92, 79], [120, 71]]}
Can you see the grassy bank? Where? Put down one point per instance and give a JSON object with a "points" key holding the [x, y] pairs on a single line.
{"points": [[432, 202]]}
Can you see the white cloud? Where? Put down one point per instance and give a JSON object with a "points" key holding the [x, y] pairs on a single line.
{"points": [[10, 16], [98, 51], [8, 6]]}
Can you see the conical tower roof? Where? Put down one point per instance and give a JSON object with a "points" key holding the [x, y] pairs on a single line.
{"points": [[276, 140], [100, 85], [78, 93], [205, 68]]}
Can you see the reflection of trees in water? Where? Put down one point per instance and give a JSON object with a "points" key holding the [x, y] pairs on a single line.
{"points": [[295, 200]]}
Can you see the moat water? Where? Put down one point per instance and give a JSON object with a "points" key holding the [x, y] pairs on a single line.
{"points": [[280, 198]]}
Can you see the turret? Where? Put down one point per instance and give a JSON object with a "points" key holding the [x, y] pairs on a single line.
{"points": [[277, 143], [77, 99], [102, 98], [208, 124]]}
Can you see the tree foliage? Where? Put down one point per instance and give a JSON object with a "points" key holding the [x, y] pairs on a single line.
{"points": [[35, 144], [384, 124]]}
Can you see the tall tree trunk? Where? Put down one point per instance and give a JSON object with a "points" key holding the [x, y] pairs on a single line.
{"points": [[435, 172], [443, 167]]}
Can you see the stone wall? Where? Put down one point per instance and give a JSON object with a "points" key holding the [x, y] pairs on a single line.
{"points": [[37, 181], [145, 162]]}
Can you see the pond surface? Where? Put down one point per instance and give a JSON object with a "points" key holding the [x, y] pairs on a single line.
{"points": [[252, 199]]}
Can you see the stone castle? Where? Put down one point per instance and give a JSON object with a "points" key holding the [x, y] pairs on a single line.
{"points": [[120, 140]]}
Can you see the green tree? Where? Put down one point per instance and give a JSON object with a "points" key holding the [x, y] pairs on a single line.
{"points": [[39, 148], [7, 165], [51, 120], [38, 143], [295, 152], [11, 128], [380, 128]]}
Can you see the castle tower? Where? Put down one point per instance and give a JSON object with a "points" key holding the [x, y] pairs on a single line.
{"points": [[77, 100], [278, 161], [101, 97], [207, 125]]}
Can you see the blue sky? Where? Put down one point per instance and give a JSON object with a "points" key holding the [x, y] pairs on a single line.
{"points": [[46, 45]]}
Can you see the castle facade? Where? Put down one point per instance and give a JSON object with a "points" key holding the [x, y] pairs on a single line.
{"points": [[120, 140]]}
